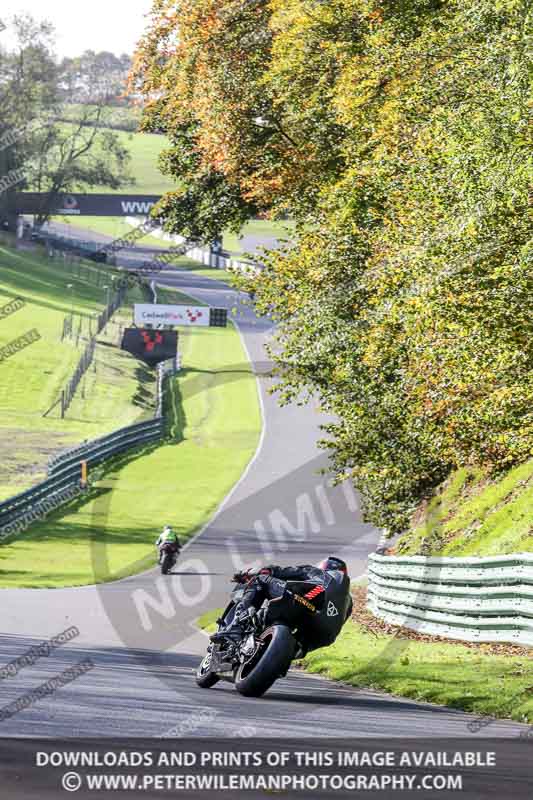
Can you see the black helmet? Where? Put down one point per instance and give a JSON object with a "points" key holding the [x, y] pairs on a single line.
{"points": [[332, 563]]}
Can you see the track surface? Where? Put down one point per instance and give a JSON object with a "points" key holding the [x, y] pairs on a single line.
{"points": [[140, 632]]}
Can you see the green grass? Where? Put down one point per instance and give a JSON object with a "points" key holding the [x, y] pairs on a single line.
{"points": [[449, 674], [208, 621], [472, 515], [214, 425], [144, 149], [115, 227], [126, 117], [184, 264], [172, 296], [120, 392], [31, 380]]}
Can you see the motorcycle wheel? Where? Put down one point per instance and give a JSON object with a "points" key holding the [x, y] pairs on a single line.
{"points": [[205, 678], [270, 661], [167, 563]]}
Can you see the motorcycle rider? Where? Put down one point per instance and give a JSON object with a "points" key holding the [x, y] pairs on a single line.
{"points": [[330, 577], [167, 536]]}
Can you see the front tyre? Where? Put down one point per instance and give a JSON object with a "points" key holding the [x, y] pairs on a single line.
{"points": [[205, 677], [270, 661]]}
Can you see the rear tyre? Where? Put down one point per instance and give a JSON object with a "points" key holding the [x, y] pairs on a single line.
{"points": [[270, 662], [205, 677], [166, 564]]}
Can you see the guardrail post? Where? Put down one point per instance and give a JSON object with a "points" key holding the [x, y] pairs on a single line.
{"points": [[83, 476]]}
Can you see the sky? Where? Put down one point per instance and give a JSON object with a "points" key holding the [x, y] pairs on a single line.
{"points": [[114, 25]]}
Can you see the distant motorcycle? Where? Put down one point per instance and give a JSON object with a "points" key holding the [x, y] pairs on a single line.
{"points": [[168, 555], [297, 621]]}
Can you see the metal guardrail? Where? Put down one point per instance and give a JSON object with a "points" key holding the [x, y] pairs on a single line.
{"points": [[204, 255], [64, 470], [89, 249], [472, 599]]}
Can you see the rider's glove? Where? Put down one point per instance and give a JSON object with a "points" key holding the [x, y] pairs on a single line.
{"points": [[249, 574], [242, 577]]}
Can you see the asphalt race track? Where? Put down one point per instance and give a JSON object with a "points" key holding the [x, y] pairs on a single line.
{"points": [[139, 633]]}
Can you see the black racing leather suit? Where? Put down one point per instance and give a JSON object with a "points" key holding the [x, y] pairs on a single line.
{"points": [[271, 582]]}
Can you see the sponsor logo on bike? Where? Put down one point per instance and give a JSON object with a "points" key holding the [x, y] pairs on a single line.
{"points": [[304, 602], [332, 609]]}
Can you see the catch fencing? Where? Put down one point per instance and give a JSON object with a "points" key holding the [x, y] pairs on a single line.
{"points": [[67, 394], [87, 358], [63, 482], [486, 599]]}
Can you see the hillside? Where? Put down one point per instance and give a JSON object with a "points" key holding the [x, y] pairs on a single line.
{"points": [[213, 418], [119, 393], [145, 149], [472, 514]]}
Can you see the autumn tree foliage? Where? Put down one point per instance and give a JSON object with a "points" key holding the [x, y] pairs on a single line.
{"points": [[396, 135]]}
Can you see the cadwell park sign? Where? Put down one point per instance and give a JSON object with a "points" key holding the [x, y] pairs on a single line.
{"points": [[160, 314]]}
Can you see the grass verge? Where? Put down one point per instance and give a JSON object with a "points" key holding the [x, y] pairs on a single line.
{"points": [[474, 515], [214, 425], [31, 380], [448, 674], [208, 621]]}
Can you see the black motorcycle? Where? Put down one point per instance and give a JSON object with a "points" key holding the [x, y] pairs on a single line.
{"points": [[168, 555], [305, 615]]}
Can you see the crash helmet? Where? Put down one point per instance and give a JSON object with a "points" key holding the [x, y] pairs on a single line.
{"points": [[334, 564]]}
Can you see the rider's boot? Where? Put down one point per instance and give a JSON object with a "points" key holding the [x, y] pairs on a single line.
{"points": [[236, 628]]}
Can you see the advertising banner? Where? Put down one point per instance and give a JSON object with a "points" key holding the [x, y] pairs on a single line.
{"points": [[160, 314], [149, 345], [86, 205]]}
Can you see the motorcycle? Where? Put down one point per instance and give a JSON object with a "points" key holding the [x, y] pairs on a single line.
{"points": [[168, 555], [285, 628]]}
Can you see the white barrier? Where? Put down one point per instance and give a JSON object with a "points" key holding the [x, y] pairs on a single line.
{"points": [[473, 599], [203, 255]]}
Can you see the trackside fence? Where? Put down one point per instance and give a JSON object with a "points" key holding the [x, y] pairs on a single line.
{"points": [[204, 255], [63, 482], [472, 599], [87, 357]]}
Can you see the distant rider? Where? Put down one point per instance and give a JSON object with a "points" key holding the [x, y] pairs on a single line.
{"points": [[330, 579], [168, 537]]}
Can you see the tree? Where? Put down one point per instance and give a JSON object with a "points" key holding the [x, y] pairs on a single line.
{"points": [[28, 90], [49, 155], [94, 78], [74, 157], [396, 134]]}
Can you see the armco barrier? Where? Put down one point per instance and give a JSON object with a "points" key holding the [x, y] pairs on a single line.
{"points": [[203, 255], [473, 599], [17, 513]]}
